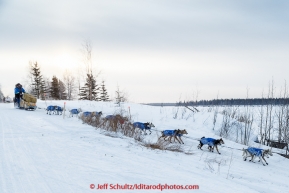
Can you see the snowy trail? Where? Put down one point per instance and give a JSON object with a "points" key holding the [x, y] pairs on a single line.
{"points": [[46, 153], [29, 156], [18, 166]]}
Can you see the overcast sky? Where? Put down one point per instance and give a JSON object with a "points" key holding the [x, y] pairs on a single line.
{"points": [[156, 50]]}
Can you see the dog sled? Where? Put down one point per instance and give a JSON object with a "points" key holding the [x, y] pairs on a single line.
{"points": [[27, 102]]}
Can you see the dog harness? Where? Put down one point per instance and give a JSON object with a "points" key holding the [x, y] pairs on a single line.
{"points": [[255, 151], [209, 141]]}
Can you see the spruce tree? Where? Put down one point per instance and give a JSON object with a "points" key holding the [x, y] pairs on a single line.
{"points": [[83, 93], [120, 96], [38, 85], [90, 89], [54, 90], [103, 93]]}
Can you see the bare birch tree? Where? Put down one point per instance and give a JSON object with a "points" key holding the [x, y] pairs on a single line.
{"points": [[269, 111], [89, 71], [215, 113], [261, 123], [248, 121], [281, 112], [69, 82], [47, 83]]}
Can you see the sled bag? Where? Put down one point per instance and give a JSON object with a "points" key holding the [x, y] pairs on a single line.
{"points": [[29, 98]]}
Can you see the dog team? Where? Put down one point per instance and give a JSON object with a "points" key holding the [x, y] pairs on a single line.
{"points": [[176, 134]]}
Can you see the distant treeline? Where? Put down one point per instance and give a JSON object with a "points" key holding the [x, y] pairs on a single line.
{"points": [[229, 102]]}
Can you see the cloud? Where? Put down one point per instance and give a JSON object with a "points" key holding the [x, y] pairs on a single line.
{"points": [[151, 24], [215, 43]]}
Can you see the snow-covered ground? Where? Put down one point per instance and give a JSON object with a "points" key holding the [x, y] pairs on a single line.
{"points": [[42, 153]]}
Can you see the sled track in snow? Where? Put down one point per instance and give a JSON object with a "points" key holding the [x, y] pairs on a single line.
{"points": [[29, 154], [19, 161]]}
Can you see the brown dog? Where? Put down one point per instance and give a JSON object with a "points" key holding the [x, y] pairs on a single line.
{"points": [[176, 134]]}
